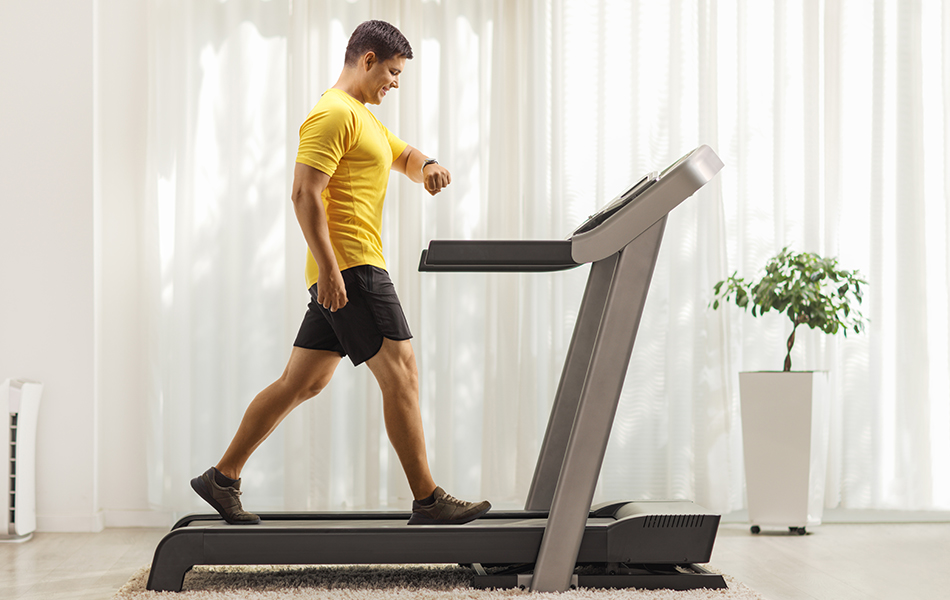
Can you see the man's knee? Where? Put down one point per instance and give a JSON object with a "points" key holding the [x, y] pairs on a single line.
{"points": [[395, 365], [404, 359], [317, 384], [301, 389], [308, 374]]}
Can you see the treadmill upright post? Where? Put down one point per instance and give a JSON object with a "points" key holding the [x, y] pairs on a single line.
{"points": [[564, 409], [597, 405]]}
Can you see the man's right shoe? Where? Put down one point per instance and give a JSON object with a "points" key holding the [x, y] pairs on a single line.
{"points": [[446, 510], [225, 500]]}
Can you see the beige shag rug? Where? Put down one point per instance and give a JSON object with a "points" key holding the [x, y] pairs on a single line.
{"points": [[368, 582]]}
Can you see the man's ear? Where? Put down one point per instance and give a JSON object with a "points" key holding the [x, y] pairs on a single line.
{"points": [[369, 59]]}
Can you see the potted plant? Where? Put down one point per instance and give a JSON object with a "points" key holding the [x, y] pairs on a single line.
{"points": [[785, 413]]}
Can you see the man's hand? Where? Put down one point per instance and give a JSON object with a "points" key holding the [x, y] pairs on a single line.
{"points": [[331, 291], [435, 177], [411, 163]]}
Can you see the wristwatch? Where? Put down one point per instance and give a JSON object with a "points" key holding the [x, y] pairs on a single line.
{"points": [[429, 161]]}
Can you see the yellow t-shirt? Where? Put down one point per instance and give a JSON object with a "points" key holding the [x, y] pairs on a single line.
{"points": [[342, 138]]}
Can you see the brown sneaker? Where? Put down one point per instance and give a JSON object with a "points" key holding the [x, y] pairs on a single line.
{"points": [[225, 500], [446, 510]]}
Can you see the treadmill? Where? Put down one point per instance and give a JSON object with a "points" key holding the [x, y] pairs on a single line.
{"points": [[559, 541]]}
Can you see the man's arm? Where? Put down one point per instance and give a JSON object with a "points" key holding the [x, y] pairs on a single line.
{"points": [[309, 184], [435, 176]]}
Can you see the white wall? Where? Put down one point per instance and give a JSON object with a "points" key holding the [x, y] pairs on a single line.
{"points": [[122, 108], [72, 147], [46, 250]]}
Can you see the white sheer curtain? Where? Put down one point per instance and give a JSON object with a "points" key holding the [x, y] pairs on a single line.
{"points": [[830, 116], [834, 116]]}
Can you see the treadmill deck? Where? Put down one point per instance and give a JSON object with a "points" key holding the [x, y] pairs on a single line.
{"points": [[621, 533]]}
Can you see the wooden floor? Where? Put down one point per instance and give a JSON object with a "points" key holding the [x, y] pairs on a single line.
{"points": [[840, 562], [78, 566], [832, 562]]}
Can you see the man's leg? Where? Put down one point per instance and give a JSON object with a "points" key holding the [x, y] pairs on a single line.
{"points": [[394, 367], [307, 373]]}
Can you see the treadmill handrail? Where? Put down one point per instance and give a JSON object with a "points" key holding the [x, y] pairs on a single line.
{"points": [[497, 256]]}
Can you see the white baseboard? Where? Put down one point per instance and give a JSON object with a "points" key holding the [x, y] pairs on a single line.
{"points": [[89, 523], [139, 518], [104, 518], [854, 515]]}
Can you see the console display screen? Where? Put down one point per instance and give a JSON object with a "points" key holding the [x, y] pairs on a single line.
{"points": [[617, 203], [676, 164]]}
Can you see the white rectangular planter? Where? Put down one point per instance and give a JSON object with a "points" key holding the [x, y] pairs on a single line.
{"points": [[785, 423]]}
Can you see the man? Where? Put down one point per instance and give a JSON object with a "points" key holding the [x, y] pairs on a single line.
{"points": [[340, 179]]}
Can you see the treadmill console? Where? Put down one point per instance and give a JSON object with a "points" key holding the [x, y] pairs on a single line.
{"points": [[617, 203], [645, 204]]}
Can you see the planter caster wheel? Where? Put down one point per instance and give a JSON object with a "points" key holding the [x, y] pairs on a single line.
{"points": [[755, 529], [798, 530]]}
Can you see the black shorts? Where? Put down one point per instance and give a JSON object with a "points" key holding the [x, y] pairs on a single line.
{"points": [[372, 312]]}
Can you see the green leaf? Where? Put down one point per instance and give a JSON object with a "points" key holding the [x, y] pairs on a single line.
{"points": [[808, 289]]}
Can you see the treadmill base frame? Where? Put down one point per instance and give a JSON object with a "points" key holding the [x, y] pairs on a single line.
{"points": [[616, 575]]}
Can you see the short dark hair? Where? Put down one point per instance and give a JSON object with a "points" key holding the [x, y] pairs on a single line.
{"points": [[378, 37]]}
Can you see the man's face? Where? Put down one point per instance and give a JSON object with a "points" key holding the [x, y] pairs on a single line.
{"points": [[381, 78]]}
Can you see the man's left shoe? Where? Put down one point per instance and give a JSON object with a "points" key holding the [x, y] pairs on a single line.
{"points": [[225, 500], [447, 510]]}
